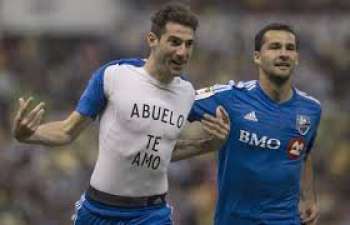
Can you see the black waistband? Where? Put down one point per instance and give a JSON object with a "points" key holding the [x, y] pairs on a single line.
{"points": [[123, 201]]}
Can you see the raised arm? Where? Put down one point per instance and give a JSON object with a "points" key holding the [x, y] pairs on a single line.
{"points": [[27, 127], [217, 130]]}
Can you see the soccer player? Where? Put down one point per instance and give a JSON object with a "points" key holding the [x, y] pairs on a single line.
{"points": [[143, 106], [264, 167]]}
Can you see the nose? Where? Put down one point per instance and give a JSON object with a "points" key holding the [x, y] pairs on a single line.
{"points": [[284, 54], [182, 50]]}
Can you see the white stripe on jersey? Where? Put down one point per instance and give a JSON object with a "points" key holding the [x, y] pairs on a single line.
{"points": [[209, 91], [217, 88], [305, 95], [249, 85]]}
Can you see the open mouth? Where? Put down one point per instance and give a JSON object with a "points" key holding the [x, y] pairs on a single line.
{"points": [[178, 63], [283, 66]]}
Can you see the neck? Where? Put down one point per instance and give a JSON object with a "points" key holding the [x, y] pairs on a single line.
{"points": [[277, 91], [154, 69]]}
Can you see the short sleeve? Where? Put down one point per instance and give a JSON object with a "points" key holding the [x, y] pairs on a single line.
{"points": [[206, 101], [93, 100], [101, 85], [313, 138]]}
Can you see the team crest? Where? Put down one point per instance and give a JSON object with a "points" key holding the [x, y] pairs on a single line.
{"points": [[303, 124]]}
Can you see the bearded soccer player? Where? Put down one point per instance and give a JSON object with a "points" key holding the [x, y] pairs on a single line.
{"points": [[143, 105], [264, 168]]}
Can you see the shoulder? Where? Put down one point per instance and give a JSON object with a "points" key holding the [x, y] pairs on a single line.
{"points": [[183, 85], [137, 62], [309, 101], [120, 63], [246, 85], [104, 76], [223, 89], [303, 96], [108, 70], [184, 79]]}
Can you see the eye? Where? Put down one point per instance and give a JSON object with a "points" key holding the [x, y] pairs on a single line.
{"points": [[175, 41], [275, 46], [291, 47], [189, 43]]}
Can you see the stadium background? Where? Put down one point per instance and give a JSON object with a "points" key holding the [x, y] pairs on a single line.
{"points": [[49, 49]]}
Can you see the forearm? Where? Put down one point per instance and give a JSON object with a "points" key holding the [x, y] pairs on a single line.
{"points": [[216, 132], [308, 190], [27, 126], [187, 148], [51, 134]]}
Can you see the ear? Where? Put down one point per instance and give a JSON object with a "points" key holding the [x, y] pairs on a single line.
{"points": [[152, 39], [257, 57]]}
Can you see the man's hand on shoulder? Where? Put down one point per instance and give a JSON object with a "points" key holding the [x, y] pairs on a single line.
{"points": [[217, 127]]}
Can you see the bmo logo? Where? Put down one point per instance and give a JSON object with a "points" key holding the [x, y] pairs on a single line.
{"points": [[254, 140]]}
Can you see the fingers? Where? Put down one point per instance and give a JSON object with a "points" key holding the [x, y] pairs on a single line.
{"points": [[32, 115], [215, 123], [23, 107], [310, 215], [222, 122], [219, 126], [213, 129], [26, 123], [221, 113], [21, 102], [309, 219], [37, 118], [221, 118]]}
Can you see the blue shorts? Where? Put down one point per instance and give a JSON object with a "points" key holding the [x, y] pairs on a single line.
{"points": [[243, 220], [90, 212]]}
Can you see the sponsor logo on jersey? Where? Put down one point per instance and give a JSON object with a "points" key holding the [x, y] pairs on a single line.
{"points": [[254, 139], [295, 148], [251, 116], [303, 124]]}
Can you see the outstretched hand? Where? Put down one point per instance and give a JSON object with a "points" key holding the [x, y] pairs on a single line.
{"points": [[26, 122], [218, 126]]}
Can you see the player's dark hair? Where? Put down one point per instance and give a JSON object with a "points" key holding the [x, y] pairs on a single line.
{"points": [[259, 37], [173, 12]]}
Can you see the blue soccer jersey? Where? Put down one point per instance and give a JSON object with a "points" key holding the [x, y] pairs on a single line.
{"points": [[260, 166]]}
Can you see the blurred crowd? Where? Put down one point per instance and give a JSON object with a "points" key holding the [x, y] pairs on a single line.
{"points": [[39, 185]]}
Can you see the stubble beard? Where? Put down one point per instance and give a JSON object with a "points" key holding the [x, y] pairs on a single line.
{"points": [[162, 67], [277, 79]]}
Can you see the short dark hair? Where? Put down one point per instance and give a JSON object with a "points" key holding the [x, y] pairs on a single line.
{"points": [[173, 12], [259, 37]]}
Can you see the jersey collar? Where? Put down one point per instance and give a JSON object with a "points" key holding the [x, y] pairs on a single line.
{"points": [[271, 101]]}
